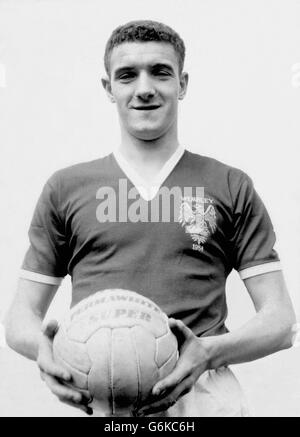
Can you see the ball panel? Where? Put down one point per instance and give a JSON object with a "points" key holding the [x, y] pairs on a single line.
{"points": [[110, 296], [124, 370], [145, 345], [166, 346], [79, 379], [99, 378], [169, 365], [114, 308], [71, 351]]}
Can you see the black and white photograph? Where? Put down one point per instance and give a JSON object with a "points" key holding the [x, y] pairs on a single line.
{"points": [[150, 222]]}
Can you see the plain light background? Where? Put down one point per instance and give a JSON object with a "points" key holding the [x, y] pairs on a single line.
{"points": [[242, 107]]}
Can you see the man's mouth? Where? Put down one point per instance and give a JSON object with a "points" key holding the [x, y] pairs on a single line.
{"points": [[146, 107]]}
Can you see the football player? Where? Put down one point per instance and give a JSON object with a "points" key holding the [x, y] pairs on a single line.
{"points": [[157, 219]]}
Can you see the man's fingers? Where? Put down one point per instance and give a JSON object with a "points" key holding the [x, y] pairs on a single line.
{"points": [[180, 330], [47, 366], [67, 395], [50, 328], [83, 397], [169, 400], [46, 363], [55, 371], [157, 406], [88, 410], [180, 372], [64, 394]]}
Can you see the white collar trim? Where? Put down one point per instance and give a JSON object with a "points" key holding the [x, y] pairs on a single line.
{"points": [[148, 189]]}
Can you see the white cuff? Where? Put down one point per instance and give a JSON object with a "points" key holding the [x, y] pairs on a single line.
{"points": [[37, 277], [260, 269]]}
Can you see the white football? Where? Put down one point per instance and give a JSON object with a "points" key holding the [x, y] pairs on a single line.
{"points": [[117, 344]]}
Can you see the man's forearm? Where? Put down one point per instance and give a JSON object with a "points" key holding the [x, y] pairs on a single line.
{"points": [[24, 320], [261, 336], [23, 335]]}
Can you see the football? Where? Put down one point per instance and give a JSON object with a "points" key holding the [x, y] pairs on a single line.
{"points": [[116, 344]]}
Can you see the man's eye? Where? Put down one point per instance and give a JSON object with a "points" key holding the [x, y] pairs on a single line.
{"points": [[126, 76], [161, 73]]}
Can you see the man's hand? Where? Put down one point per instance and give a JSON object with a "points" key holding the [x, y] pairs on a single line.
{"points": [[55, 376], [192, 362]]}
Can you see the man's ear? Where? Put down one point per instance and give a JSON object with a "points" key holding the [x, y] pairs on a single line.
{"points": [[184, 80], [107, 86]]}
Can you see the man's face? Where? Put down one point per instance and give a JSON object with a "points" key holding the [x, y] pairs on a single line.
{"points": [[146, 85]]}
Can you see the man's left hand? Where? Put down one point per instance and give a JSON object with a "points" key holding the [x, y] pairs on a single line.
{"points": [[192, 362]]}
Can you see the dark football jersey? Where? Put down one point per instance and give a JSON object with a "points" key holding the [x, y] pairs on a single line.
{"points": [[177, 247]]}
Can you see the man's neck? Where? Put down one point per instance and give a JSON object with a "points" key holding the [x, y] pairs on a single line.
{"points": [[148, 157]]}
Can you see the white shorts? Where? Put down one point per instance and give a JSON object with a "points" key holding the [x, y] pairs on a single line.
{"points": [[217, 393]]}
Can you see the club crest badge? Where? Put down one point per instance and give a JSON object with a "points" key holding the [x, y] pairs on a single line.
{"points": [[198, 217]]}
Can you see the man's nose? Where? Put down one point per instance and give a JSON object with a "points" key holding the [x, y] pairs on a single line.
{"points": [[144, 87]]}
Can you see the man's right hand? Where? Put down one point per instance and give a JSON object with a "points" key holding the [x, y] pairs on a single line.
{"points": [[54, 375]]}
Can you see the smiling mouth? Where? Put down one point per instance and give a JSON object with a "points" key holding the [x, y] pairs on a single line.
{"points": [[146, 108]]}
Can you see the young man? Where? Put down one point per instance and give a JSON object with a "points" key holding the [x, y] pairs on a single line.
{"points": [[218, 224]]}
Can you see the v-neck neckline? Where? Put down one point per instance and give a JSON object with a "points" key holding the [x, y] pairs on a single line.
{"points": [[148, 189]]}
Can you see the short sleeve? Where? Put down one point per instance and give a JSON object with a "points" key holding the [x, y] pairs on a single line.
{"points": [[47, 258], [253, 236]]}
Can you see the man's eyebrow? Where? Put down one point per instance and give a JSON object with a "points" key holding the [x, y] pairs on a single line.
{"points": [[156, 66], [162, 65], [123, 70]]}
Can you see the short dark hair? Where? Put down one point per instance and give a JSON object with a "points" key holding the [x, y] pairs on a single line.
{"points": [[144, 31]]}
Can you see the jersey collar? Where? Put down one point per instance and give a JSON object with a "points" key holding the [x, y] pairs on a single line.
{"points": [[148, 188]]}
